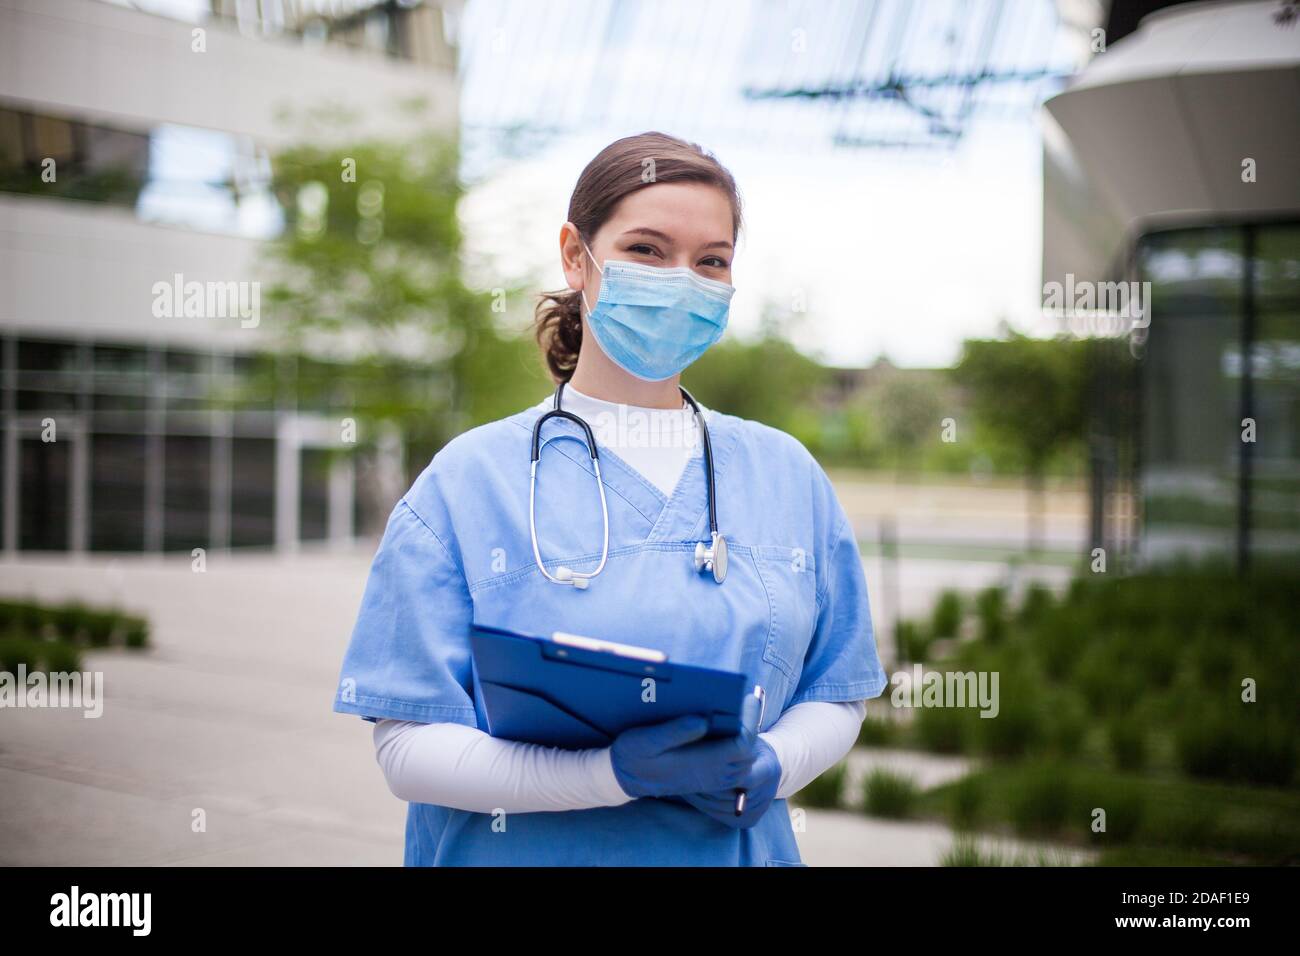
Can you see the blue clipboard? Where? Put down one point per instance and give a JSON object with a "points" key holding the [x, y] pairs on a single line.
{"points": [[578, 692]]}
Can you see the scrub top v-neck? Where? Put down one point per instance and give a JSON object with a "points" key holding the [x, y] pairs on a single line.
{"points": [[792, 615]]}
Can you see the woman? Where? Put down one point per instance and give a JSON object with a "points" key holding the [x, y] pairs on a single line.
{"points": [[647, 253]]}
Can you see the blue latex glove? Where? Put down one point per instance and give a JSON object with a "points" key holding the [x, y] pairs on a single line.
{"points": [[760, 784], [662, 760]]}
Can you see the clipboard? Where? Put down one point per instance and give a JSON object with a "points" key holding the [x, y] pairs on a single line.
{"points": [[579, 692]]}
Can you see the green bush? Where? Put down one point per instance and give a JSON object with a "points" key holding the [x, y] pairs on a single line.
{"points": [[59, 657], [991, 609], [69, 625], [1018, 727], [36, 654], [945, 621], [1127, 743], [827, 790], [1124, 805], [1037, 603], [1237, 742], [15, 650], [25, 617], [967, 804], [888, 794], [1065, 723], [913, 642], [1042, 803], [943, 729], [877, 732], [135, 631]]}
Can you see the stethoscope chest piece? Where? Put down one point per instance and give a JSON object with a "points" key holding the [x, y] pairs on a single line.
{"points": [[712, 557]]}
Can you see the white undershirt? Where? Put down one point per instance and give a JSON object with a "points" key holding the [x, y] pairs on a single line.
{"points": [[452, 765], [657, 442]]}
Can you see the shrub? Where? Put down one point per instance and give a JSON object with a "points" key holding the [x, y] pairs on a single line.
{"points": [[990, 607], [60, 657], [135, 631], [36, 654], [889, 794], [1242, 743], [946, 618], [826, 790], [1127, 742], [1042, 803], [876, 732], [15, 650], [943, 729], [1037, 603], [1018, 726], [967, 802], [913, 642], [1065, 724]]}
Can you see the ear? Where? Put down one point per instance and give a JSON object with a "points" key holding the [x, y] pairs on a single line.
{"points": [[573, 257]]}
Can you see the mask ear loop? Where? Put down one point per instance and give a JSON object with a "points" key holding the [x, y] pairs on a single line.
{"points": [[599, 268]]}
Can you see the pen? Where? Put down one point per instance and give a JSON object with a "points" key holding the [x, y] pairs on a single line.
{"points": [[762, 707]]}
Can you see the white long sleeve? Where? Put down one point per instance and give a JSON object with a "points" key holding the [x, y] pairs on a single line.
{"points": [[452, 765], [812, 737]]}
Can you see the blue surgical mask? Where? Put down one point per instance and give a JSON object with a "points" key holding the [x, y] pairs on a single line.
{"points": [[653, 322]]}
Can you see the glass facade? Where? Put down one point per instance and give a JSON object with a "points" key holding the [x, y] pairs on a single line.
{"points": [[1220, 391], [121, 447], [170, 174]]}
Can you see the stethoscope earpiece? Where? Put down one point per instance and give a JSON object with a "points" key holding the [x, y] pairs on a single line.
{"points": [[710, 555]]}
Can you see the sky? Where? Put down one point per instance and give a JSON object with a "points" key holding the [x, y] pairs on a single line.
{"points": [[899, 251], [895, 253]]}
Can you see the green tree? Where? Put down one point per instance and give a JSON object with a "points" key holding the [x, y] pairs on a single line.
{"points": [[368, 273], [1030, 395]]}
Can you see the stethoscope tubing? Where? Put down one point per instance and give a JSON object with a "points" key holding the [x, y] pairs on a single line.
{"points": [[558, 412]]}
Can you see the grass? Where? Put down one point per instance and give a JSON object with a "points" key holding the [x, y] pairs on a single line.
{"points": [[1149, 717], [826, 791], [967, 851], [51, 638], [889, 794], [1144, 814]]}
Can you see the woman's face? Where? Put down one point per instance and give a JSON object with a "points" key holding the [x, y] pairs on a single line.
{"points": [[665, 225]]}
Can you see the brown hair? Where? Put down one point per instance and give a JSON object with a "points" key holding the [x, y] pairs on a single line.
{"points": [[617, 171]]}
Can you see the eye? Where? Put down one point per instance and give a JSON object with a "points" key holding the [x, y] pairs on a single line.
{"points": [[643, 248], [713, 262]]}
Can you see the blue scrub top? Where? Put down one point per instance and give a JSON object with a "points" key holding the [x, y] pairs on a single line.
{"points": [[792, 614]]}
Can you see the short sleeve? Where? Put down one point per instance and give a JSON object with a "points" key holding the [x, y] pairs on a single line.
{"points": [[842, 663], [409, 656]]}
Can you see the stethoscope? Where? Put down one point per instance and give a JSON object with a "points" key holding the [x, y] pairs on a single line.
{"points": [[709, 556]]}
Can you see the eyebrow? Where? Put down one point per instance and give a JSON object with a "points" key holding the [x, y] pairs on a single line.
{"points": [[644, 231]]}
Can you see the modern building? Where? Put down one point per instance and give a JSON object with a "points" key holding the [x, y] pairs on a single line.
{"points": [[135, 144], [1174, 159]]}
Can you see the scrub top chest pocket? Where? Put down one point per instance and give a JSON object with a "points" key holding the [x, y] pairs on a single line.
{"points": [[789, 576]]}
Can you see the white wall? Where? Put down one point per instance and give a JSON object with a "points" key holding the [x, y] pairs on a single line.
{"points": [[114, 65], [88, 269]]}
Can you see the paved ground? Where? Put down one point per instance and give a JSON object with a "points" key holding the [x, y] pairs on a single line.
{"points": [[229, 714]]}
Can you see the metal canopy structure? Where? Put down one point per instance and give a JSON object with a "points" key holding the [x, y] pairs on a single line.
{"points": [[775, 73]]}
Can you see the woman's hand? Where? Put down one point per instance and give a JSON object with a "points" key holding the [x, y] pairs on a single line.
{"points": [[760, 784], [669, 759]]}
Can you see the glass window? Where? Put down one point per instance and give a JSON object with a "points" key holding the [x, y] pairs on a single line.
{"points": [[43, 495], [187, 483], [117, 478], [313, 497], [1275, 372], [1191, 389], [252, 492]]}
